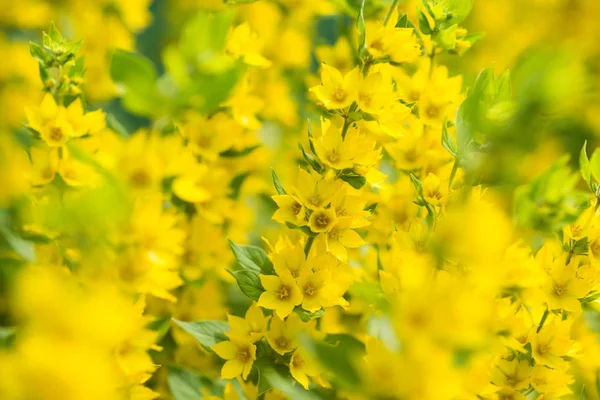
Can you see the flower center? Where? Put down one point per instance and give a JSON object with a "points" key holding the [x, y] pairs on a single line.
{"points": [[333, 234], [295, 208], [435, 194], [283, 292], [56, 133], [47, 173], [204, 142], [315, 199], [297, 361], [365, 98], [333, 156], [411, 155], [560, 290], [310, 290], [139, 179], [339, 94], [543, 349], [377, 44], [322, 221], [243, 355], [432, 111], [282, 342]]}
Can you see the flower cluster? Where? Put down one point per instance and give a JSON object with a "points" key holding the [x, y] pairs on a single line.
{"points": [[417, 235]]}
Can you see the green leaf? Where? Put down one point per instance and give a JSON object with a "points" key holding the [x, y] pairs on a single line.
{"points": [[277, 183], [446, 38], [184, 384], [252, 258], [381, 327], [113, 123], [310, 137], [595, 165], [136, 78], [448, 142], [278, 377], [360, 25], [38, 53], [306, 316], [356, 181], [472, 38], [208, 333], [580, 246], [207, 92], [54, 34], [402, 21], [239, 153], [160, 325], [314, 164], [249, 283], [584, 165], [453, 11], [371, 207], [424, 24], [236, 185], [7, 336], [22, 247], [417, 183], [338, 355], [202, 41]]}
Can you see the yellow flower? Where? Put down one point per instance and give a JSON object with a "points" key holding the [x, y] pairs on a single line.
{"points": [[563, 288], [322, 220], [243, 42], [281, 292], [244, 105], [192, 187], [340, 56], [335, 91], [240, 355], [302, 366], [552, 343], [290, 210], [400, 44], [552, 382], [341, 153], [318, 291], [374, 94], [84, 123], [290, 257], [282, 334], [434, 192], [511, 374], [44, 165], [207, 137], [341, 236], [394, 119], [51, 122], [350, 206], [313, 190], [252, 327]]}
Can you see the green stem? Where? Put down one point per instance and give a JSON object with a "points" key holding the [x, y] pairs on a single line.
{"points": [[570, 255], [452, 174], [347, 121], [308, 245], [544, 317], [390, 11], [432, 60], [419, 36]]}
